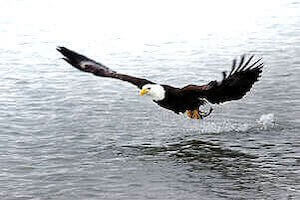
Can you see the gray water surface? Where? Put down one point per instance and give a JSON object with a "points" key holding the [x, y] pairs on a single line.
{"points": [[69, 135]]}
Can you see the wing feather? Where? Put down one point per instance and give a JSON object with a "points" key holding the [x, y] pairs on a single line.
{"points": [[232, 68], [232, 87], [86, 64]]}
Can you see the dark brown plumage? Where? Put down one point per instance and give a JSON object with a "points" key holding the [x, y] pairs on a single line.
{"points": [[86, 64], [233, 86]]}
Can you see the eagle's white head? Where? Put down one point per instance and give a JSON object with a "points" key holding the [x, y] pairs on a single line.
{"points": [[157, 92]]}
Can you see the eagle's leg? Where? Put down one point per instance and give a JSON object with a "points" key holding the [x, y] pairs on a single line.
{"points": [[196, 114], [189, 113]]}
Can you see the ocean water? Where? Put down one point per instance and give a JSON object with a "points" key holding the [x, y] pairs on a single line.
{"points": [[65, 134]]}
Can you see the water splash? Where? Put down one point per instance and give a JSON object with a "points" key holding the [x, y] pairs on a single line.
{"points": [[223, 126], [266, 121]]}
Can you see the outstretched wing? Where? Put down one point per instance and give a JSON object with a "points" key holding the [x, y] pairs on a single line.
{"points": [[233, 86], [86, 64]]}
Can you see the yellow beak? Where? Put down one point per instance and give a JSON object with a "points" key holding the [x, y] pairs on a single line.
{"points": [[144, 91]]}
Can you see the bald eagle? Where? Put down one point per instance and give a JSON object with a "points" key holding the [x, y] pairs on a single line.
{"points": [[188, 99]]}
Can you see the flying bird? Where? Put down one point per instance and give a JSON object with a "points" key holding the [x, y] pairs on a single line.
{"points": [[188, 99]]}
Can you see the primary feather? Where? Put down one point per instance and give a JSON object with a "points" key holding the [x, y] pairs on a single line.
{"points": [[233, 86], [86, 64]]}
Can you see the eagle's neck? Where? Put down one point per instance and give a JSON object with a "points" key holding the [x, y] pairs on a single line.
{"points": [[158, 92]]}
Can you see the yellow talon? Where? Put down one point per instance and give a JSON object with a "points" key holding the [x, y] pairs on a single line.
{"points": [[189, 113], [193, 114], [196, 114]]}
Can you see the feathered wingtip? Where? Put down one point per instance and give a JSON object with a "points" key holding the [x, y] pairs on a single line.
{"points": [[71, 57], [84, 63], [244, 66]]}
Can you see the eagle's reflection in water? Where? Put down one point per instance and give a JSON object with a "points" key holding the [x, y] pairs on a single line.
{"points": [[204, 159]]}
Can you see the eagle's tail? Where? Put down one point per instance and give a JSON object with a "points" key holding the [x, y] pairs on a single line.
{"points": [[84, 63]]}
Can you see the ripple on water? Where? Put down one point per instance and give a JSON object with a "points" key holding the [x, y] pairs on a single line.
{"points": [[69, 135]]}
